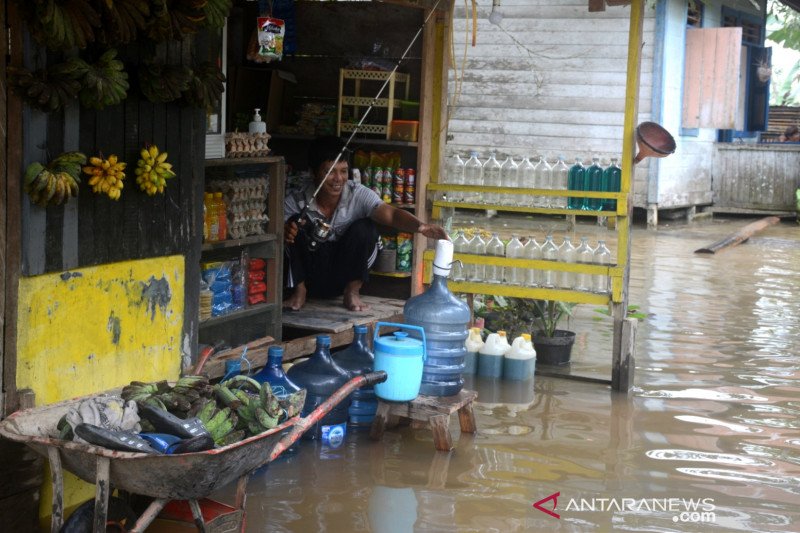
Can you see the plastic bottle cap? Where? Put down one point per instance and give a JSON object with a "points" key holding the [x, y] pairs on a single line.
{"points": [[275, 351], [360, 329], [526, 336], [324, 340], [217, 195], [501, 333], [442, 258]]}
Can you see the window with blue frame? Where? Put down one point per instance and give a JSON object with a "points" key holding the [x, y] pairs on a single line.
{"points": [[756, 95]]}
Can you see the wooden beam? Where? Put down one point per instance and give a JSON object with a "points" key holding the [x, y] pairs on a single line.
{"points": [[738, 237]]}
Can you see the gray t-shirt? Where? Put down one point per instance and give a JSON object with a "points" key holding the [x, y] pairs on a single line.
{"points": [[356, 202]]}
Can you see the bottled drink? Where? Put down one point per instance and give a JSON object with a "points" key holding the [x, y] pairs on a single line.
{"points": [[473, 344], [583, 255], [560, 183], [490, 357], [496, 248], [612, 177], [543, 180], [491, 178], [477, 272], [509, 177], [549, 253], [593, 181], [526, 175], [514, 275], [601, 256], [577, 176], [567, 254], [222, 212], [532, 250], [455, 176], [211, 221], [460, 246], [473, 175]]}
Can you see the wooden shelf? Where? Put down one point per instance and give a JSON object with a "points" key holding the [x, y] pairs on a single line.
{"points": [[237, 161], [395, 274], [236, 315], [385, 142], [356, 140], [234, 243]]}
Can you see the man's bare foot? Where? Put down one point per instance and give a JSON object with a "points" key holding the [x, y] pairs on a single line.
{"points": [[352, 298], [298, 298]]}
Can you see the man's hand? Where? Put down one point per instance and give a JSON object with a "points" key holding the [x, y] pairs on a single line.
{"points": [[432, 231], [290, 230]]}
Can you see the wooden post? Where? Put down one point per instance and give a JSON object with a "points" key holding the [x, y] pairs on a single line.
{"points": [[739, 236], [622, 375]]}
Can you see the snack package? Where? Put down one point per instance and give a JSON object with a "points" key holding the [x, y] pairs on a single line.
{"points": [[270, 38]]}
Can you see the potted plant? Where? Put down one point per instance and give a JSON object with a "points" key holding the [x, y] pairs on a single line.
{"points": [[539, 317]]}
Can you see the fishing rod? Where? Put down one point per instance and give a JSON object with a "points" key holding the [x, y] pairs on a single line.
{"points": [[319, 230]]}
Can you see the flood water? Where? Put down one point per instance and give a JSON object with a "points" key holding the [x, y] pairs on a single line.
{"points": [[709, 440]]}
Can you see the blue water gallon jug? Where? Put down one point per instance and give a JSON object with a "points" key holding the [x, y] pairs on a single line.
{"points": [[273, 374], [321, 377], [402, 358], [444, 318], [358, 359]]}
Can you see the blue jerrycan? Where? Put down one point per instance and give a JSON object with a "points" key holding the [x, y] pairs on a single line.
{"points": [[402, 357]]}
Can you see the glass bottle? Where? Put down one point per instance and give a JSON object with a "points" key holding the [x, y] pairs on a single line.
{"points": [[567, 254], [543, 180], [526, 180], [473, 175], [477, 273], [455, 176], [509, 177], [601, 256], [491, 178], [532, 250], [560, 183], [612, 177], [549, 253], [496, 248], [577, 173], [593, 181], [514, 275], [460, 246], [583, 255]]}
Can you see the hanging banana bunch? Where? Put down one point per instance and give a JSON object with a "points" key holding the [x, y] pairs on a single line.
{"points": [[106, 175], [153, 171]]}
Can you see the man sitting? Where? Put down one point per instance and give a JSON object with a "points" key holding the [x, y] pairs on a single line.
{"points": [[340, 264]]}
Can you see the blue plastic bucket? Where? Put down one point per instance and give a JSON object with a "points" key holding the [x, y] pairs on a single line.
{"points": [[402, 358]]}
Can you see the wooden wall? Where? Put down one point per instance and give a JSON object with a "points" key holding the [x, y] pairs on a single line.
{"points": [[756, 176]]}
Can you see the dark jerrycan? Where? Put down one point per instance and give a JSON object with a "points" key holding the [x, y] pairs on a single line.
{"points": [[359, 359]]}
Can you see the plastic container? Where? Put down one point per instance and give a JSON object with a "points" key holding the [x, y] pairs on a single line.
{"points": [[473, 175], [358, 359], [221, 215], [601, 256], [491, 178], [577, 182], [593, 182], [444, 319], [526, 176], [519, 363], [543, 180], [532, 250], [454, 175], [210, 222], [257, 125], [475, 272], [549, 252], [509, 177], [404, 130], [409, 109], [514, 250], [560, 183], [473, 345], [567, 254], [273, 374], [402, 358], [612, 176], [490, 357], [495, 247], [321, 377]]}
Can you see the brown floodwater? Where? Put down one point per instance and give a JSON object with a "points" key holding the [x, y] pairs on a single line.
{"points": [[709, 439]]}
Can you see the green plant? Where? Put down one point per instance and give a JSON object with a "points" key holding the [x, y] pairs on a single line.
{"points": [[521, 315], [633, 312]]}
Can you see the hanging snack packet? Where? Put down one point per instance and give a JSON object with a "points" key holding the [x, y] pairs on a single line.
{"points": [[270, 38]]}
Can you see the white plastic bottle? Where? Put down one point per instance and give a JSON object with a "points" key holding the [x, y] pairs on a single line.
{"points": [[583, 255], [520, 361], [490, 357], [560, 179], [257, 125], [496, 248], [601, 256], [460, 246], [526, 173], [491, 178], [549, 253], [473, 344], [509, 177], [532, 250], [455, 176], [567, 254], [514, 250], [473, 175], [475, 272], [544, 180]]}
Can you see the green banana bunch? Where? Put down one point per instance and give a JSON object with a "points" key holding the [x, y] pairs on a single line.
{"points": [[162, 83], [216, 11], [105, 82], [221, 424], [205, 86], [55, 183]]}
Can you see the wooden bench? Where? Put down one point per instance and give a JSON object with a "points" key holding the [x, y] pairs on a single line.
{"points": [[432, 411]]}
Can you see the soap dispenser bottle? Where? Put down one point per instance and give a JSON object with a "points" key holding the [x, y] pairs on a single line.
{"points": [[257, 125]]}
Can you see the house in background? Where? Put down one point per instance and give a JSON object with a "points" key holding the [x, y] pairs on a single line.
{"points": [[548, 78]]}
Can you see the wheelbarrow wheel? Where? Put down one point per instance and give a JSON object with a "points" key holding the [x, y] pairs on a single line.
{"points": [[120, 517]]}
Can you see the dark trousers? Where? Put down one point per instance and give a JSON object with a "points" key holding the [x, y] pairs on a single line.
{"points": [[334, 264]]}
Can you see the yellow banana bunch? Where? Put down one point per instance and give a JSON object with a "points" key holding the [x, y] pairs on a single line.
{"points": [[55, 183], [106, 175], [153, 171]]}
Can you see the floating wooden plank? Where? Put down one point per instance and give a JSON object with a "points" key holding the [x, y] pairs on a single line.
{"points": [[329, 316], [739, 236]]}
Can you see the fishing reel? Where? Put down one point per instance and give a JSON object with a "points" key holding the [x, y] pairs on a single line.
{"points": [[316, 230]]}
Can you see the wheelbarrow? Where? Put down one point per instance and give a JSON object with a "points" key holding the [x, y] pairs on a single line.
{"points": [[188, 476]]}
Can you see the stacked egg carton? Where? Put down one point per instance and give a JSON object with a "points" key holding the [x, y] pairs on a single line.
{"points": [[246, 203]]}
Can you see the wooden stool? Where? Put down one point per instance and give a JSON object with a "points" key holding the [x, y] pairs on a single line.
{"points": [[433, 411]]}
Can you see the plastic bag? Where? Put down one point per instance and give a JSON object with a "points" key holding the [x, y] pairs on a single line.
{"points": [[270, 38]]}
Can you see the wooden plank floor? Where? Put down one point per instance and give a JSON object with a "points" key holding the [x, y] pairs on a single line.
{"points": [[329, 316]]}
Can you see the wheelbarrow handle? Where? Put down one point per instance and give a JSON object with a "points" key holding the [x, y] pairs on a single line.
{"points": [[302, 425]]}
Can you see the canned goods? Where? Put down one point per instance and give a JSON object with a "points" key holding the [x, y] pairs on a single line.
{"points": [[408, 195], [376, 183], [410, 180], [410, 176]]}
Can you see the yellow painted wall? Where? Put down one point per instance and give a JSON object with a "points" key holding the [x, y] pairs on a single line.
{"points": [[89, 330]]}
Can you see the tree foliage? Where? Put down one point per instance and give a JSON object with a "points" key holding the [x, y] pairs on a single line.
{"points": [[788, 22]]}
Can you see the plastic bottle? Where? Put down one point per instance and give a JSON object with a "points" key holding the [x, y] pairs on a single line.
{"points": [[593, 180], [544, 180], [509, 177], [455, 176], [577, 174], [496, 248], [519, 362], [444, 319], [477, 272], [222, 215], [490, 356], [601, 256], [583, 255], [460, 246], [358, 359], [527, 180], [473, 345], [550, 253], [473, 175], [532, 250], [273, 374], [566, 254], [612, 177], [491, 178], [514, 275], [560, 183], [257, 125], [211, 220], [321, 377]]}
